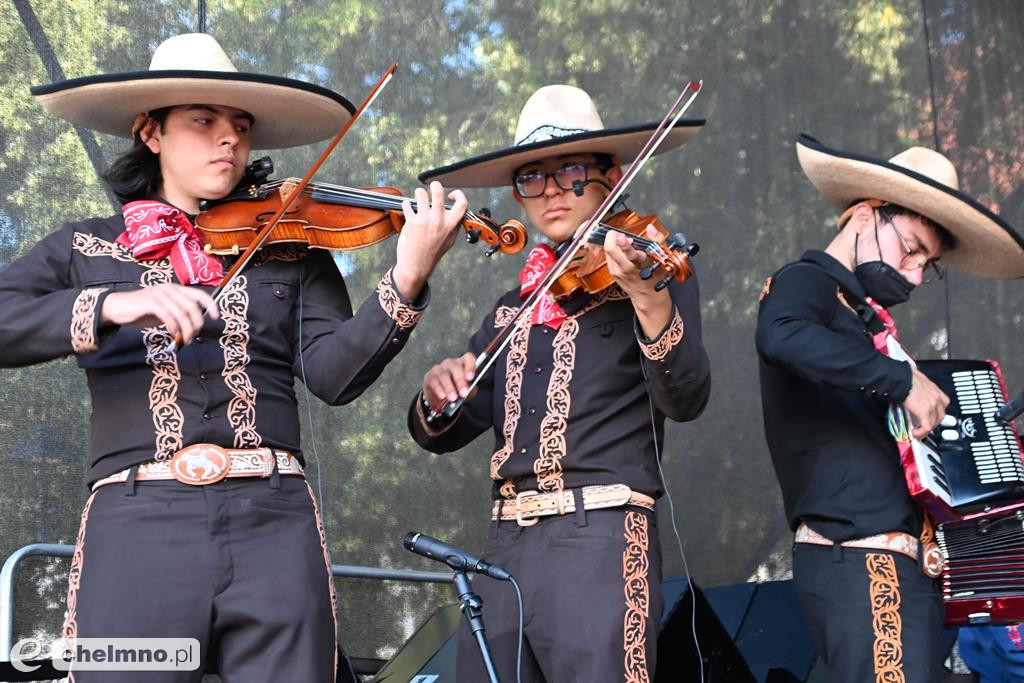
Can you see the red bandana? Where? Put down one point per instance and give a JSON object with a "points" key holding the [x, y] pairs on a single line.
{"points": [[154, 230], [538, 263], [890, 326]]}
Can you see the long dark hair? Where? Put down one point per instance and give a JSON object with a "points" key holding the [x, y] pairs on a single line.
{"points": [[136, 174]]}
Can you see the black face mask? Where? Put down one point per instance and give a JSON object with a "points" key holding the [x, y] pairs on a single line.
{"points": [[880, 281], [883, 283]]}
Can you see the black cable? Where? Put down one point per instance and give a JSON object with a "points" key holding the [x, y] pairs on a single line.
{"points": [[935, 138], [675, 529], [202, 16], [519, 649], [53, 69]]}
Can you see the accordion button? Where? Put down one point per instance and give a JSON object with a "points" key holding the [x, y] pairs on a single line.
{"points": [[948, 421], [950, 435]]}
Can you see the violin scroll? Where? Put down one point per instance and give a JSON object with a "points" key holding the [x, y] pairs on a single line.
{"points": [[508, 238]]}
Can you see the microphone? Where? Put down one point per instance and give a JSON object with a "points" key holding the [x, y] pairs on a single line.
{"points": [[578, 185], [451, 556]]}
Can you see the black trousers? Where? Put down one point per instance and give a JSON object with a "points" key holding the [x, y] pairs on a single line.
{"points": [[873, 615], [591, 587], [239, 565]]}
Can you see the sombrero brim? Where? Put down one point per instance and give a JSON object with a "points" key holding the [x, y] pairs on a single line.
{"points": [[495, 169], [287, 112], [987, 246]]}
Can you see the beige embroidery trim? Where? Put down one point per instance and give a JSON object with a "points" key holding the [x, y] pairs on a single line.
{"points": [[503, 316], [168, 420], [70, 630], [330, 574], [548, 465], [234, 342], [884, 590], [635, 567], [515, 361], [404, 315], [668, 340], [83, 320]]}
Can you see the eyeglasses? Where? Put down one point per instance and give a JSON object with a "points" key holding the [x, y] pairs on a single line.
{"points": [[532, 184], [914, 259]]}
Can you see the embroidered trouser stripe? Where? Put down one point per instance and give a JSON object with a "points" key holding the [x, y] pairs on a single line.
{"points": [[70, 629], [638, 597], [330, 576], [885, 617]]}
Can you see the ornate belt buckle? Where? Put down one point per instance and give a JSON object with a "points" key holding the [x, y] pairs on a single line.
{"points": [[200, 464], [520, 520]]}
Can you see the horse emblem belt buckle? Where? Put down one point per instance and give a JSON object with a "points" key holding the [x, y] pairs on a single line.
{"points": [[200, 464]]}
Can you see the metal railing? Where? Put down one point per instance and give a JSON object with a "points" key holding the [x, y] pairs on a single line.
{"points": [[10, 568]]}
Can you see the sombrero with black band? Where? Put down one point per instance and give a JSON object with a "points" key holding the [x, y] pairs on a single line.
{"points": [[192, 68], [557, 120], [924, 181]]}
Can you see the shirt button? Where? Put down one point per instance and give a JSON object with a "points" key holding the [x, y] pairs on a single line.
{"points": [[667, 373], [279, 293], [545, 330], [396, 340], [532, 411], [206, 416], [198, 340], [537, 370], [523, 450], [203, 376]]}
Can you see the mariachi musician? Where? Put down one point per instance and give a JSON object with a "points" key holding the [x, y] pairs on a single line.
{"points": [[577, 405], [200, 523], [827, 381]]}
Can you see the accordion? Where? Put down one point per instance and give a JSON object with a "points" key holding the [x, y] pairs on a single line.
{"points": [[971, 464], [968, 473]]}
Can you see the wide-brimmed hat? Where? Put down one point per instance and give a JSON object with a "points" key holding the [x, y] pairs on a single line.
{"points": [[193, 69], [557, 120], [924, 181]]}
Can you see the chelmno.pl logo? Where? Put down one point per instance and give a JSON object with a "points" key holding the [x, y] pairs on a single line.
{"points": [[108, 654]]}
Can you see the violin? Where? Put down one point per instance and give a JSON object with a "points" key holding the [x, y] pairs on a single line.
{"points": [[587, 271], [327, 216]]}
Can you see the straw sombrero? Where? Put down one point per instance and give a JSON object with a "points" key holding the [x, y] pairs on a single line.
{"points": [[922, 180], [557, 120], [193, 69]]}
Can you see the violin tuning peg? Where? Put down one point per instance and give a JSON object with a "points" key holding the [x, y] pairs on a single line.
{"points": [[692, 248], [472, 235], [490, 250], [662, 284], [676, 241], [485, 212], [648, 271]]}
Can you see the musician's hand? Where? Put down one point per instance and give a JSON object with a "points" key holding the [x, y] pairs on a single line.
{"points": [[653, 308], [449, 380], [429, 232], [926, 404], [178, 307]]}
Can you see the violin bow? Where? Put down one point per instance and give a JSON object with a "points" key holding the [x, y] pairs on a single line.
{"points": [[489, 355], [296, 192]]}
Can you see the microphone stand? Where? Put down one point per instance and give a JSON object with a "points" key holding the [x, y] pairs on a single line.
{"points": [[472, 608]]}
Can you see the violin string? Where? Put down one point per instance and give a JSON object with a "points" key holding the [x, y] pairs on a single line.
{"points": [[486, 359]]}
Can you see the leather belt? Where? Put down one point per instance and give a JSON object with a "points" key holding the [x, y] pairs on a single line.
{"points": [[528, 505], [893, 541], [204, 463]]}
